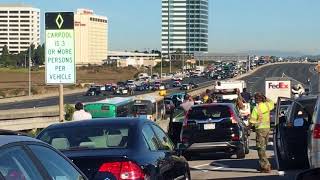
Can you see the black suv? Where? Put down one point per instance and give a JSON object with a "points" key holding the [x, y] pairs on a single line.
{"points": [[215, 128]]}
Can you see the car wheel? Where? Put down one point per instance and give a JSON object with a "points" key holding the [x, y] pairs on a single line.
{"points": [[247, 146], [187, 175], [241, 152]]}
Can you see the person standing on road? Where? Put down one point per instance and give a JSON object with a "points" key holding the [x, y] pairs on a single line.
{"points": [[80, 114], [260, 119], [245, 95]]}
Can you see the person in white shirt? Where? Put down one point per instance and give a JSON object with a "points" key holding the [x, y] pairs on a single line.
{"points": [[80, 114]]}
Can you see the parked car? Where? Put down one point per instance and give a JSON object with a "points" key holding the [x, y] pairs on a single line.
{"points": [[176, 84], [142, 87], [121, 90], [185, 87], [93, 91], [193, 85], [291, 133], [131, 84], [215, 128], [121, 148], [22, 158], [283, 109], [314, 138]]}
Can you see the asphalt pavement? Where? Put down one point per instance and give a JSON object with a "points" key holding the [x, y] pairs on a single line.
{"points": [[299, 71], [220, 167], [73, 98]]}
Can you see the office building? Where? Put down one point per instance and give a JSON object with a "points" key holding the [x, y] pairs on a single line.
{"points": [[125, 59], [184, 26], [19, 27], [91, 37]]}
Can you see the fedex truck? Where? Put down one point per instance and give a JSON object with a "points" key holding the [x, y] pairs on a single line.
{"points": [[277, 87]]}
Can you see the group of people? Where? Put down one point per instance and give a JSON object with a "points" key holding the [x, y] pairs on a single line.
{"points": [[259, 119]]}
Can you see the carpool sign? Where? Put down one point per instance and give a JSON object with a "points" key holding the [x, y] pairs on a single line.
{"points": [[59, 48]]}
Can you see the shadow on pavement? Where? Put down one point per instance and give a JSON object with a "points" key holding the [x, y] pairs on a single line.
{"points": [[210, 156], [273, 177]]}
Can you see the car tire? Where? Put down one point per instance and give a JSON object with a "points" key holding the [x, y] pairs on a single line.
{"points": [[187, 175], [240, 154], [247, 146]]}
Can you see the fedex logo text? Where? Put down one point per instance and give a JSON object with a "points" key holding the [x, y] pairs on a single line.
{"points": [[280, 85]]}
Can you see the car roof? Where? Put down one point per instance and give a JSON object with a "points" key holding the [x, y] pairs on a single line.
{"points": [[215, 104], [8, 139], [99, 122], [307, 98]]}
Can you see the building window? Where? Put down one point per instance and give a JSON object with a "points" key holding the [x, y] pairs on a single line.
{"points": [[3, 12], [24, 20], [13, 34], [3, 20], [24, 12], [25, 16], [12, 12], [13, 21], [14, 16]]}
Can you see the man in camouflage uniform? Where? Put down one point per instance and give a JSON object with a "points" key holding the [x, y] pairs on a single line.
{"points": [[260, 119]]}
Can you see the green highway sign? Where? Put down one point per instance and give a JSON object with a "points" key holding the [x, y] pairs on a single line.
{"points": [[59, 48]]}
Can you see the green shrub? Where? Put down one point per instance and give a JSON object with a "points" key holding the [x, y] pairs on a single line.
{"points": [[69, 110]]}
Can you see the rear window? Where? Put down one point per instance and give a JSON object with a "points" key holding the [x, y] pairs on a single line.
{"points": [[209, 112], [87, 137]]}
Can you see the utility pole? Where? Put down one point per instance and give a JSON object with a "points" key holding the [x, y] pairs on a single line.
{"points": [[25, 61], [169, 4], [183, 63], [29, 71]]}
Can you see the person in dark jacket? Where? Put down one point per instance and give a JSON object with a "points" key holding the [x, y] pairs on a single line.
{"points": [[245, 95]]}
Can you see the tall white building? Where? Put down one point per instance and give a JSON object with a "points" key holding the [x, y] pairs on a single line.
{"points": [[184, 26], [19, 27], [91, 37]]}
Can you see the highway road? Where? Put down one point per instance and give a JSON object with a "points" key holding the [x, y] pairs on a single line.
{"points": [[73, 98], [218, 167], [298, 71], [255, 82]]}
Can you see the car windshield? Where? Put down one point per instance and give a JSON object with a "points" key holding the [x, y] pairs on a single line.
{"points": [[209, 112], [87, 137]]}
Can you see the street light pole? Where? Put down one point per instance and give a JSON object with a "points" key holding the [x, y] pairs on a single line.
{"points": [[25, 61], [29, 71]]}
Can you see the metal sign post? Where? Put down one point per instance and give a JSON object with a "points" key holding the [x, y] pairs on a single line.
{"points": [[60, 52]]}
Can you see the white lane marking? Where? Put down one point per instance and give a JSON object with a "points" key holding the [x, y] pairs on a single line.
{"points": [[201, 165]]}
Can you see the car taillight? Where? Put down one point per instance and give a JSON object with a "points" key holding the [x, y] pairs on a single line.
{"points": [[233, 117], [316, 131], [235, 137], [126, 170]]}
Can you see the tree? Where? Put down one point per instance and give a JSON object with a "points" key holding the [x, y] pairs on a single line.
{"points": [[38, 58], [5, 56]]}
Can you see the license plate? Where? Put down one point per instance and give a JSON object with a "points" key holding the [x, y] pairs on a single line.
{"points": [[209, 126]]}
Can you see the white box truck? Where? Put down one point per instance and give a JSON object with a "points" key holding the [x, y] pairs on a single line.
{"points": [[277, 87]]}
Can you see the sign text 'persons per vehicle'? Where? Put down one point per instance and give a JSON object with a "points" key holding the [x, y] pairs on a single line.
{"points": [[59, 48]]}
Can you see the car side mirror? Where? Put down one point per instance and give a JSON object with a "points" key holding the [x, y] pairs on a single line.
{"points": [[298, 122], [309, 174]]}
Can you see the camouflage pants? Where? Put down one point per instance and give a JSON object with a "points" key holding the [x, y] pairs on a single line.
{"points": [[262, 136]]}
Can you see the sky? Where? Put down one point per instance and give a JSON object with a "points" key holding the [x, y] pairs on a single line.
{"points": [[234, 25]]}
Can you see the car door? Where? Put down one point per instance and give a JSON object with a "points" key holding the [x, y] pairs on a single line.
{"points": [[16, 163], [178, 168], [290, 136], [55, 164]]}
